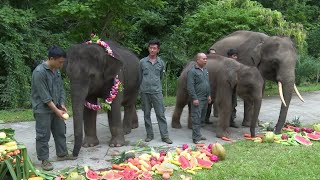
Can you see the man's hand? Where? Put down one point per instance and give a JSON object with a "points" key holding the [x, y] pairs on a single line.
{"points": [[196, 102], [60, 113], [209, 100], [63, 108]]}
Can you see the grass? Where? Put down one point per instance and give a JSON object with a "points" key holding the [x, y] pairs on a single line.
{"points": [[248, 160], [19, 115]]}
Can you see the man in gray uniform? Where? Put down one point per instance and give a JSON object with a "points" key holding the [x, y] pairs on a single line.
{"points": [[199, 90], [151, 71], [48, 104]]}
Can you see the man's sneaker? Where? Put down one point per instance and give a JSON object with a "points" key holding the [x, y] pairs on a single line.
{"points": [[148, 139], [198, 141], [46, 165], [66, 157], [203, 138], [167, 140]]}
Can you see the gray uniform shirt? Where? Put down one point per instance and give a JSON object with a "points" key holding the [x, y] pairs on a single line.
{"points": [[151, 75], [46, 86], [198, 83]]}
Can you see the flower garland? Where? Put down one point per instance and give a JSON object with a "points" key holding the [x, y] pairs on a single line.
{"points": [[97, 40], [117, 87]]}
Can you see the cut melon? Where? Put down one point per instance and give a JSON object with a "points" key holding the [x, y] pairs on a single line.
{"points": [[302, 140], [314, 137]]}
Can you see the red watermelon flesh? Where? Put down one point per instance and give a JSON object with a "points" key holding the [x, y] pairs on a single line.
{"points": [[314, 137], [316, 133], [302, 140]]}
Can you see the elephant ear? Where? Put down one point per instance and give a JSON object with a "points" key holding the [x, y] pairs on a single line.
{"points": [[112, 67], [256, 54]]}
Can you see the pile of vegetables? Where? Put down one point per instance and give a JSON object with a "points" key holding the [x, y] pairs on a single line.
{"points": [[291, 136], [186, 160], [14, 160]]}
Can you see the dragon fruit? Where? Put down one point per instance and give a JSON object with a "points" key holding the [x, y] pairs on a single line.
{"points": [[184, 146]]}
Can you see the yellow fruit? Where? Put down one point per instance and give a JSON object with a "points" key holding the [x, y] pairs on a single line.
{"points": [[35, 178], [65, 116], [11, 143], [218, 149], [3, 135]]}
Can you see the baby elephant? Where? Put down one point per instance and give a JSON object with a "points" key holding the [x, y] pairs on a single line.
{"points": [[225, 75]]}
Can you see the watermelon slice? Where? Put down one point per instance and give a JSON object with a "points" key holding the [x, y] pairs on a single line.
{"points": [[315, 137], [204, 163], [185, 164], [302, 140], [316, 133]]}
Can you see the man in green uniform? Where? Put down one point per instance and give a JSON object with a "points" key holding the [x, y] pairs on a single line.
{"points": [[48, 104], [151, 72], [198, 86]]}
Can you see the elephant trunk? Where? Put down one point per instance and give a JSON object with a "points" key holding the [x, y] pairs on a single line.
{"points": [[286, 93], [256, 112], [78, 100], [181, 101]]}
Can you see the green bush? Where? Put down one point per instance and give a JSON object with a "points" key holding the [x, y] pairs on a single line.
{"points": [[307, 69]]}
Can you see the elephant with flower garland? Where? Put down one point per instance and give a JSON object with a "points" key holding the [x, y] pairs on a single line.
{"points": [[92, 73]]}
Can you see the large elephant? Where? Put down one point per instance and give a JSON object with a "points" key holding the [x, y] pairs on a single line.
{"points": [[225, 75], [92, 71], [274, 56]]}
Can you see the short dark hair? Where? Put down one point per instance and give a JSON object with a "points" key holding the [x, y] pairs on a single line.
{"points": [[56, 52], [208, 52], [154, 42], [232, 52]]}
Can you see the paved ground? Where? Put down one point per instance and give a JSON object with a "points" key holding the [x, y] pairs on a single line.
{"points": [[97, 157]]}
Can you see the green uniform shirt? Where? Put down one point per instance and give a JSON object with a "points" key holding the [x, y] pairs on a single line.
{"points": [[198, 83], [46, 86], [151, 75]]}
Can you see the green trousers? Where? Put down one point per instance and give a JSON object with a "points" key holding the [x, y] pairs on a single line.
{"points": [[155, 101], [47, 123], [198, 115]]}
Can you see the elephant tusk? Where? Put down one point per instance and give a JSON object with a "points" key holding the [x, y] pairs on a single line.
{"points": [[281, 93], [297, 92]]}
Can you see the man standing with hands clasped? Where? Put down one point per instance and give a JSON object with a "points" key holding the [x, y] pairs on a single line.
{"points": [[48, 98], [151, 72], [199, 90]]}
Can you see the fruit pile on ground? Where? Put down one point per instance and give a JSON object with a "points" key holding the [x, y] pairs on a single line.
{"points": [[186, 160], [14, 161], [290, 136]]}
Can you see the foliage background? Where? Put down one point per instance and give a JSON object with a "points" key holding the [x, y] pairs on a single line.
{"points": [[29, 28]]}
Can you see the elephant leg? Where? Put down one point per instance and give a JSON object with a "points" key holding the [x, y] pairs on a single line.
{"points": [[208, 112], [115, 124], [90, 128], [225, 110], [189, 116], [130, 119], [248, 107], [215, 110]]}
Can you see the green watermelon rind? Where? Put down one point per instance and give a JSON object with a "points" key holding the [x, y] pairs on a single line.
{"points": [[313, 137], [302, 140]]}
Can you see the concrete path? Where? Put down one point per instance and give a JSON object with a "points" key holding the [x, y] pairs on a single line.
{"points": [[98, 157]]}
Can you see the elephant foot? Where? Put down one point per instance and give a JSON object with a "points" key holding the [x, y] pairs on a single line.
{"points": [[127, 130], [134, 125], [222, 134], [176, 125], [117, 142], [90, 141]]}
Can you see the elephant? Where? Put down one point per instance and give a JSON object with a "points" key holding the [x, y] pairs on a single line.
{"points": [[91, 72], [274, 56], [225, 76]]}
